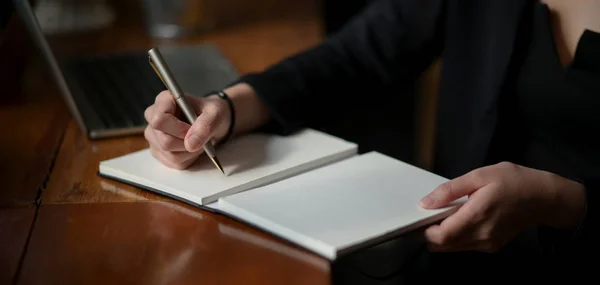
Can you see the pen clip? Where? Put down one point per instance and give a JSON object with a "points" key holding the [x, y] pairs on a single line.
{"points": [[156, 71]]}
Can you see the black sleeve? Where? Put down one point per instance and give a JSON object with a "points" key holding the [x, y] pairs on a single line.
{"points": [[575, 248], [389, 40], [587, 234]]}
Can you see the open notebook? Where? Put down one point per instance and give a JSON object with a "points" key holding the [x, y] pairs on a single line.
{"points": [[248, 161], [309, 188]]}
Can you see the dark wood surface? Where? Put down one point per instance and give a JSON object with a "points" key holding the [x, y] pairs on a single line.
{"points": [[15, 225], [32, 120], [60, 223], [31, 128], [158, 242]]}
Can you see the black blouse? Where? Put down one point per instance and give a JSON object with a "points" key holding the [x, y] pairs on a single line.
{"points": [[552, 121], [547, 115]]}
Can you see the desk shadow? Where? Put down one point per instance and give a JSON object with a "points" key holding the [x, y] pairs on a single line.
{"points": [[251, 153], [240, 155], [202, 164]]}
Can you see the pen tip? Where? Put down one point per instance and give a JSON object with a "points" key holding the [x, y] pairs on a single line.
{"points": [[217, 163]]}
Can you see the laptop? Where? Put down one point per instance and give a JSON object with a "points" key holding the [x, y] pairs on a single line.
{"points": [[108, 93]]}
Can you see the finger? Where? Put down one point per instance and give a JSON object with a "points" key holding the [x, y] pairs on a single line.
{"points": [[196, 102], [148, 113], [464, 242], [164, 142], [175, 160], [165, 103], [149, 135], [455, 230], [457, 247], [175, 145], [181, 158], [157, 154], [456, 188], [163, 116], [203, 128], [167, 142]]}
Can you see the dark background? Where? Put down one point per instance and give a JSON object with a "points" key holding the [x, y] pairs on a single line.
{"points": [[337, 12], [5, 13]]}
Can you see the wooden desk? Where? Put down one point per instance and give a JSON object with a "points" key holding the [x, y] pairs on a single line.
{"points": [[15, 224], [154, 242], [69, 226]]}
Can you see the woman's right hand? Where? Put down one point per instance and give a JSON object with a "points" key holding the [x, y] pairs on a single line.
{"points": [[172, 140]]}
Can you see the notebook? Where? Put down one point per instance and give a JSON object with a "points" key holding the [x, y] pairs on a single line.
{"points": [[353, 203], [309, 188], [248, 161]]}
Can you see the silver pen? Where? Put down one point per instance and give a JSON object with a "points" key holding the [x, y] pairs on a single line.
{"points": [[162, 70]]}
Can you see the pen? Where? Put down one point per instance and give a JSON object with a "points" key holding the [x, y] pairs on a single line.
{"points": [[162, 70]]}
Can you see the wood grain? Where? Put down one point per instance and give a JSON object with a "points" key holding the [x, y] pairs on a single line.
{"points": [[155, 242], [75, 178], [15, 225]]}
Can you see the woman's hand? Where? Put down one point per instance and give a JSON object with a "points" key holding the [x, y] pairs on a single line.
{"points": [[504, 199], [176, 143]]}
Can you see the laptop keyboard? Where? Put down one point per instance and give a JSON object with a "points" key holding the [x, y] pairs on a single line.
{"points": [[118, 88]]}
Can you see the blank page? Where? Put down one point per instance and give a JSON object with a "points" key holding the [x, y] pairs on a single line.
{"points": [[249, 161], [349, 203]]}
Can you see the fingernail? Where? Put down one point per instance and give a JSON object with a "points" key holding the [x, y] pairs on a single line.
{"points": [[193, 143], [431, 200], [427, 201]]}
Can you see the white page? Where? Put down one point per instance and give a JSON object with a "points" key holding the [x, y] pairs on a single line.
{"points": [[341, 205], [248, 161]]}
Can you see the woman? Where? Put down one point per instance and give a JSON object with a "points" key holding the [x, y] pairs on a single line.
{"points": [[516, 123]]}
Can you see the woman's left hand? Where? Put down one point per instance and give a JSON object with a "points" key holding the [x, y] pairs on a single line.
{"points": [[504, 199]]}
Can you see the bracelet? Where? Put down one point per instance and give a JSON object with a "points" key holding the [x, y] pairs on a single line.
{"points": [[225, 97]]}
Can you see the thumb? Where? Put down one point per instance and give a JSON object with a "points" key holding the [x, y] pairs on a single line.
{"points": [[453, 190], [201, 131]]}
